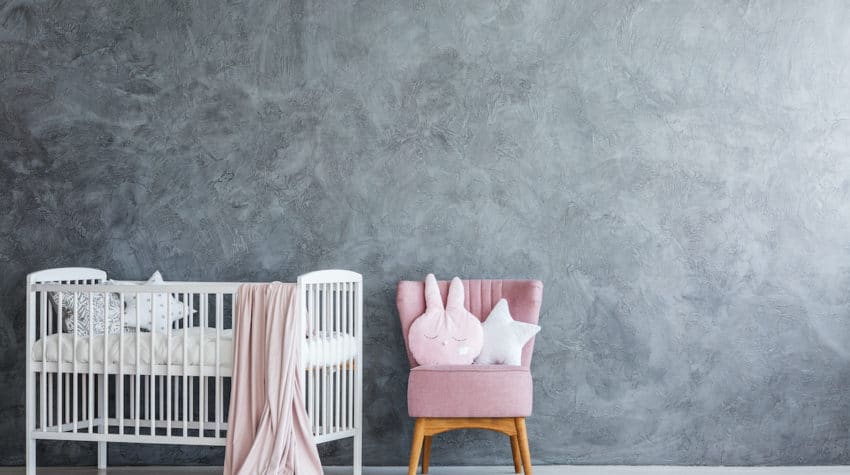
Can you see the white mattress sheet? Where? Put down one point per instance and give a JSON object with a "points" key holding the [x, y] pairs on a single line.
{"points": [[318, 350]]}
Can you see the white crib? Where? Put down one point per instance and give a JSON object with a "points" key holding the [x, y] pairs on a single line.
{"points": [[170, 387]]}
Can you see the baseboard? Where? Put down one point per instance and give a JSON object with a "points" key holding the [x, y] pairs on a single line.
{"points": [[490, 470], [608, 470]]}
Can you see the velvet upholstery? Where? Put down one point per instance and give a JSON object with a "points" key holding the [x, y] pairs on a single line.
{"points": [[469, 391], [472, 390]]}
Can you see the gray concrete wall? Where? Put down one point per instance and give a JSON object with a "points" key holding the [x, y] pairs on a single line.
{"points": [[675, 172]]}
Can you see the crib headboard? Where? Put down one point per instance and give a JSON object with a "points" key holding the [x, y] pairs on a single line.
{"points": [[76, 275]]}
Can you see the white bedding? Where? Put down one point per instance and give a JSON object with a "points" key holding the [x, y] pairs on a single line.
{"points": [[316, 351]]}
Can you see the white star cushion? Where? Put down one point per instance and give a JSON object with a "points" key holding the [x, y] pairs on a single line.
{"points": [[153, 309], [504, 337]]}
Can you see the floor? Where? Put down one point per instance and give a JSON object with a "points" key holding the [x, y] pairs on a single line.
{"points": [[538, 470]]}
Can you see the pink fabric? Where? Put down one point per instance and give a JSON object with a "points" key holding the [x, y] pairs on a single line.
{"points": [[445, 335], [469, 391], [268, 431], [480, 296]]}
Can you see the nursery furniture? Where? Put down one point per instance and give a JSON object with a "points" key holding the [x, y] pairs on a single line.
{"points": [[492, 397], [171, 386]]}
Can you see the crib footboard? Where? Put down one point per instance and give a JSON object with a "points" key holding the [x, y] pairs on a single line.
{"points": [[331, 305], [134, 362]]}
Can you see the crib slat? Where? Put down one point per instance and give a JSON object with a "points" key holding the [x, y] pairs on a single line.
{"points": [[202, 416], [185, 386], [59, 420], [326, 308], [137, 377], [90, 386], [342, 397], [314, 414], [152, 379], [317, 403], [119, 379], [343, 366], [342, 356], [318, 345], [219, 321], [308, 402], [336, 350], [52, 384], [168, 378], [44, 315], [353, 388], [308, 331], [75, 416], [191, 390], [104, 390]]}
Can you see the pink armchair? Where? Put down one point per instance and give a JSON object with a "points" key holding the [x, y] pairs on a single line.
{"points": [[492, 397]]}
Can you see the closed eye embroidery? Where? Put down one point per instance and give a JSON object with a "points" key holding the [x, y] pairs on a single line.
{"points": [[458, 339], [431, 337]]}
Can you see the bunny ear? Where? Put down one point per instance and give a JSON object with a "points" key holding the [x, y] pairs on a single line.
{"points": [[455, 299], [432, 293]]}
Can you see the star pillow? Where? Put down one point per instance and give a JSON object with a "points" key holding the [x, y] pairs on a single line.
{"points": [[153, 309], [504, 337]]}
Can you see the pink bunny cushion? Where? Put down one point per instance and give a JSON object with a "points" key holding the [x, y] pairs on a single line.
{"points": [[445, 336]]}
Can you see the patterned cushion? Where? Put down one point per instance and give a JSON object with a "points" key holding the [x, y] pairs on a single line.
{"points": [[92, 309]]}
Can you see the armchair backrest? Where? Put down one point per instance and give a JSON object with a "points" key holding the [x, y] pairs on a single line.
{"points": [[480, 296]]}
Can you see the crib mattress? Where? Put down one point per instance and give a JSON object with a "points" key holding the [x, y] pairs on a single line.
{"points": [[322, 350]]}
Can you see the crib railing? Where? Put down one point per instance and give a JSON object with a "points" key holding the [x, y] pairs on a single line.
{"points": [[132, 393]]}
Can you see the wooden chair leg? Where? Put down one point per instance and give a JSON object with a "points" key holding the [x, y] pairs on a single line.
{"points": [[426, 455], [523, 445], [416, 446], [515, 452]]}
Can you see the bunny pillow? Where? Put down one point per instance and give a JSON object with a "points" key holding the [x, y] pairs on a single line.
{"points": [[445, 336]]}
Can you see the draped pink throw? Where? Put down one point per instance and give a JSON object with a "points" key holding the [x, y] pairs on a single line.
{"points": [[268, 431]]}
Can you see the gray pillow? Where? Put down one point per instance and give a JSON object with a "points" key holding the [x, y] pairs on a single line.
{"points": [[92, 310]]}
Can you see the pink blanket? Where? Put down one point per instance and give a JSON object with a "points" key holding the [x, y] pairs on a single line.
{"points": [[268, 431]]}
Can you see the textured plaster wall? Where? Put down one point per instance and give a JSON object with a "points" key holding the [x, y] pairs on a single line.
{"points": [[675, 172]]}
